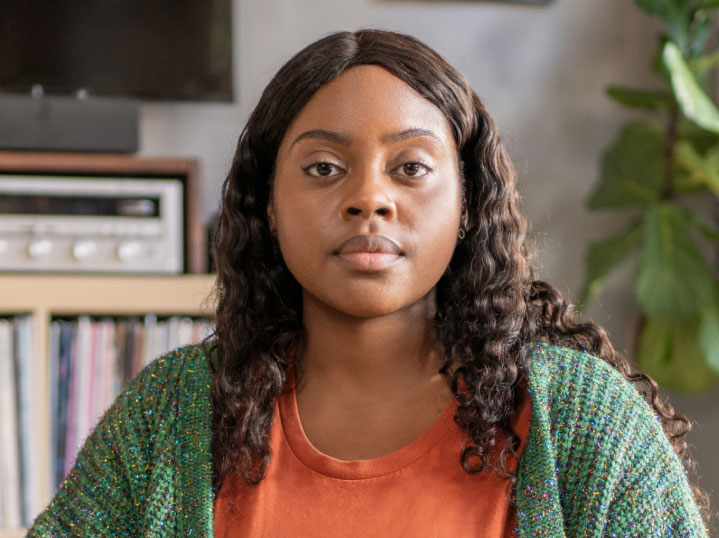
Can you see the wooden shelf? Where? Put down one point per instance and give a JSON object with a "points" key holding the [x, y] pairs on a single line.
{"points": [[18, 533], [118, 295]]}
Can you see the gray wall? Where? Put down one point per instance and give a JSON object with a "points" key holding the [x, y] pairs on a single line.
{"points": [[540, 70]]}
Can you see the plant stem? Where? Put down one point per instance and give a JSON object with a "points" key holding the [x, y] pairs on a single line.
{"points": [[669, 141]]}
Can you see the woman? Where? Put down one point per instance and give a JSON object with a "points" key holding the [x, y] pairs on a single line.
{"points": [[384, 362]]}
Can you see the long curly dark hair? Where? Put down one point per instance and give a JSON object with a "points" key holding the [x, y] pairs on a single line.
{"points": [[490, 307]]}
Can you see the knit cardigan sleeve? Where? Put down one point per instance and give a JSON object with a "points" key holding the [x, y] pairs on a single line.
{"points": [[599, 463], [128, 478]]}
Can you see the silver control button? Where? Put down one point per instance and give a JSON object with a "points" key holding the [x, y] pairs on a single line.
{"points": [[83, 249], [128, 250], [38, 248]]}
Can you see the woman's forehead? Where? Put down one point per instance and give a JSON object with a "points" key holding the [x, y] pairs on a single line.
{"points": [[368, 100]]}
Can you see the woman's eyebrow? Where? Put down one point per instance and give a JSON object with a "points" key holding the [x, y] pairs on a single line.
{"points": [[408, 133], [344, 140], [322, 134]]}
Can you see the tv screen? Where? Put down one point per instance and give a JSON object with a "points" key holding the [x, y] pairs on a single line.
{"points": [[147, 49]]}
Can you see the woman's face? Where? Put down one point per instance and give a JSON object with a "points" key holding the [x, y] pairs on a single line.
{"points": [[366, 202]]}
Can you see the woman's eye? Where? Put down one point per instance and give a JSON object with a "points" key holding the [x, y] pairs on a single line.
{"points": [[413, 169], [323, 169]]}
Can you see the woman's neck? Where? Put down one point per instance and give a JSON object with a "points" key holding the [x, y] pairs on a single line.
{"points": [[356, 359]]}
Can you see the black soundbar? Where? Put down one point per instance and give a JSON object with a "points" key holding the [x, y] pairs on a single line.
{"points": [[52, 123]]}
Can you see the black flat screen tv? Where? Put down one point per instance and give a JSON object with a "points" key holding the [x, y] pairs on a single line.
{"points": [[145, 49]]}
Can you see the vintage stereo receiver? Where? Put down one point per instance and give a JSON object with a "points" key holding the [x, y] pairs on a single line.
{"points": [[91, 224]]}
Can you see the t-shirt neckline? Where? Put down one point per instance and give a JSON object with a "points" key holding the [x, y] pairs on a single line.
{"points": [[332, 467]]}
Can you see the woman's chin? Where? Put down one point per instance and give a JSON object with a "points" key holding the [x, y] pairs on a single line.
{"points": [[375, 306]]}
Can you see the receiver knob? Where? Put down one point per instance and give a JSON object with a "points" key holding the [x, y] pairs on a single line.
{"points": [[83, 249], [128, 250], [39, 247]]}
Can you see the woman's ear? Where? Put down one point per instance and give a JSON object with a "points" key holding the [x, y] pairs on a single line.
{"points": [[271, 218]]}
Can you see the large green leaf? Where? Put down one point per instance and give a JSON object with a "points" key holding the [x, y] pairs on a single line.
{"points": [[673, 279], [632, 168], [702, 170], [693, 101], [648, 99], [669, 352], [604, 255], [709, 332]]}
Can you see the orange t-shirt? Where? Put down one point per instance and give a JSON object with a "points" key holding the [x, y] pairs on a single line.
{"points": [[418, 491]]}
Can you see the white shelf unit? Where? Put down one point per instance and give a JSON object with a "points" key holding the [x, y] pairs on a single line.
{"points": [[46, 296]]}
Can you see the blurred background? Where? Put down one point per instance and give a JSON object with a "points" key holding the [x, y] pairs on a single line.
{"points": [[540, 68]]}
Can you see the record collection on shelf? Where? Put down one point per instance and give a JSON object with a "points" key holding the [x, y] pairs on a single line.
{"points": [[91, 360]]}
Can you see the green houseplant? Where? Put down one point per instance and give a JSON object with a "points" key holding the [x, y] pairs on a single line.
{"points": [[657, 169]]}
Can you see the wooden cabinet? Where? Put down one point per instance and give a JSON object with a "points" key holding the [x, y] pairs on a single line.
{"points": [[46, 296]]}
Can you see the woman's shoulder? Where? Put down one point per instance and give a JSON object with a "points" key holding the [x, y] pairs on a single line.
{"points": [[150, 450], [580, 400], [598, 443], [177, 365], [182, 374], [563, 372]]}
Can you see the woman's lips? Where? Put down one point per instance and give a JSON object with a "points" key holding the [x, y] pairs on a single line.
{"points": [[369, 252], [369, 261]]}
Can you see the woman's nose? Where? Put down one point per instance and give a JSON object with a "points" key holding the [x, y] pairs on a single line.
{"points": [[370, 194]]}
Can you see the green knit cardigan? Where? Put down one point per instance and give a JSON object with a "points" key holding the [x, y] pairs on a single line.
{"points": [[596, 462]]}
